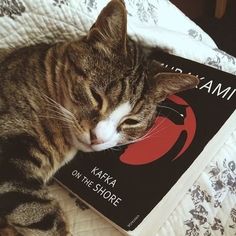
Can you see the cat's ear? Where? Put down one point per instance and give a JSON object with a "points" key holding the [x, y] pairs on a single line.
{"points": [[164, 84], [109, 32]]}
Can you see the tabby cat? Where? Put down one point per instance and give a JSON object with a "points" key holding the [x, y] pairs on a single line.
{"points": [[88, 95]]}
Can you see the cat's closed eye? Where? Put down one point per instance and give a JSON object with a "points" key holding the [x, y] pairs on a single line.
{"points": [[130, 121]]}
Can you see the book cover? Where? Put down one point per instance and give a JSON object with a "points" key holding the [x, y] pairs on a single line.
{"points": [[126, 184]]}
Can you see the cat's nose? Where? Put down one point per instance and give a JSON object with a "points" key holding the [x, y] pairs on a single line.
{"points": [[94, 139]]}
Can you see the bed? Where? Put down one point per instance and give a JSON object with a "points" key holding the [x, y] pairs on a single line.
{"points": [[209, 206]]}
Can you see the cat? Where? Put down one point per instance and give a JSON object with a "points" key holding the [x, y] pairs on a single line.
{"points": [[87, 95]]}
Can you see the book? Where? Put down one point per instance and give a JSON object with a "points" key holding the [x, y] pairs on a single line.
{"points": [[136, 187]]}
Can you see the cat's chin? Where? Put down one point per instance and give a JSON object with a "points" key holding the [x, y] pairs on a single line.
{"points": [[94, 148], [102, 147], [112, 142], [97, 147]]}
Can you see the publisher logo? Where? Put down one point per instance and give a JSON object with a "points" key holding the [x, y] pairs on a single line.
{"points": [[173, 130]]}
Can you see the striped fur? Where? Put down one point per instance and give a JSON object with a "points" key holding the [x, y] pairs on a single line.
{"points": [[52, 97]]}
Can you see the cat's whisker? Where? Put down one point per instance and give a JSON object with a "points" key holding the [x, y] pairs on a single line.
{"points": [[58, 115], [150, 131], [148, 135], [157, 130], [164, 128], [161, 123], [57, 118], [58, 106], [153, 128], [62, 115], [164, 120], [143, 138], [157, 133], [59, 110]]}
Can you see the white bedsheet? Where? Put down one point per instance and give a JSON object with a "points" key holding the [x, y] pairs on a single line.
{"points": [[209, 208]]}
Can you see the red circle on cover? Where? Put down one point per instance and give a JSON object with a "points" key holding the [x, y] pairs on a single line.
{"points": [[161, 138]]}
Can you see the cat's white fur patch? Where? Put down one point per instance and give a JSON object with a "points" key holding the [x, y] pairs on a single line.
{"points": [[106, 130]]}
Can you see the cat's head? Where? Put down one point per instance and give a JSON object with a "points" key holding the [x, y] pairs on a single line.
{"points": [[111, 89]]}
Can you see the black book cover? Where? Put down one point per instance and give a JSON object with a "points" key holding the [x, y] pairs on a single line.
{"points": [[126, 183]]}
